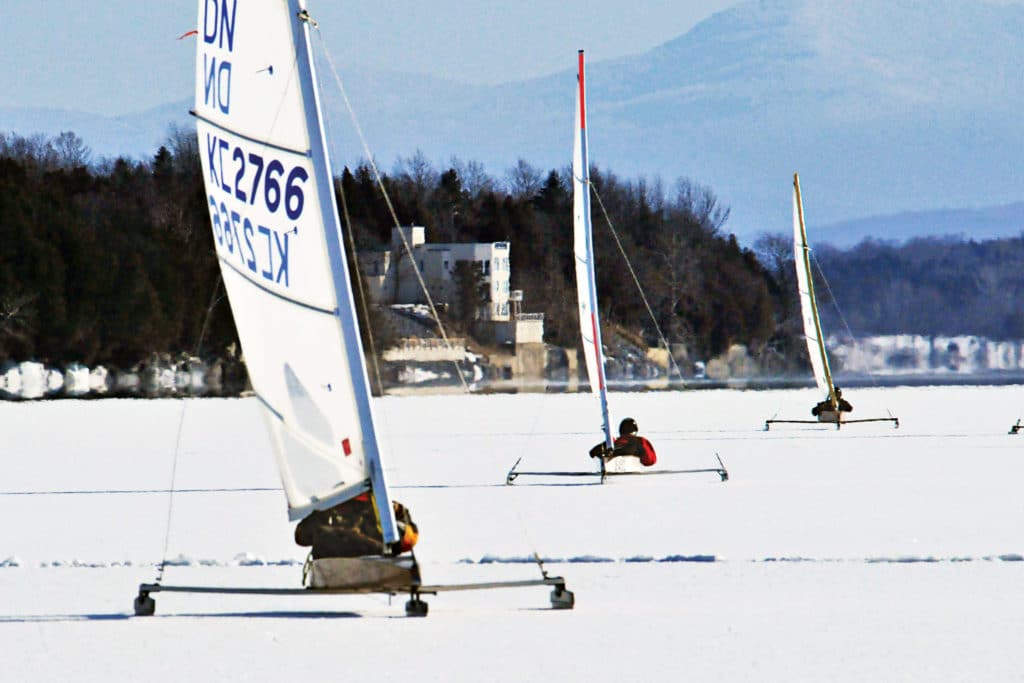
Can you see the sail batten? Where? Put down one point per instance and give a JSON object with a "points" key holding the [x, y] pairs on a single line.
{"points": [[254, 283], [583, 248], [305, 152], [277, 235]]}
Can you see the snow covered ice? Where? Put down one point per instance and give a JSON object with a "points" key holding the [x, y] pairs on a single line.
{"points": [[868, 553]]}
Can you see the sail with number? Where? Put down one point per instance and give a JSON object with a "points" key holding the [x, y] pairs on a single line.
{"points": [[583, 249], [808, 304], [279, 242]]}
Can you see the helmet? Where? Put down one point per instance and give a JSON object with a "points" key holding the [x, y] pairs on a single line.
{"points": [[628, 426]]}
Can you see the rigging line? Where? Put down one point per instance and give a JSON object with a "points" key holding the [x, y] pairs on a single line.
{"points": [[632, 272], [359, 287], [387, 200], [350, 233], [109, 492], [839, 311], [518, 505], [214, 300]]}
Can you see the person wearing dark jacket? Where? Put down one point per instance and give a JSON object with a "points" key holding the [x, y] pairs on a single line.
{"points": [[842, 405], [351, 529], [628, 443]]}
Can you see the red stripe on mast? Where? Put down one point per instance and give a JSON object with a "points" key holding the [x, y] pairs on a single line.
{"points": [[583, 95]]}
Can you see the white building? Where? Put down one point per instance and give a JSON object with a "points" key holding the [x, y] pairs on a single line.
{"points": [[391, 280], [389, 284], [520, 328]]}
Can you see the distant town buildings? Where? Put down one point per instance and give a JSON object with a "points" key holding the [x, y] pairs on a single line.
{"points": [[906, 354]]}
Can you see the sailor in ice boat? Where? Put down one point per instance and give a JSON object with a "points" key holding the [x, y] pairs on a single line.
{"points": [[347, 547], [827, 411], [630, 451]]}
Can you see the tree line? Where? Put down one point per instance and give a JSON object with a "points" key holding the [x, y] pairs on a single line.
{"points": [[105, 262], [110, 261], [928, 286], [703, 289]]}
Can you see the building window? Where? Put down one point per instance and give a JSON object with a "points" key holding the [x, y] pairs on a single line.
{"points": [[485, 265]]}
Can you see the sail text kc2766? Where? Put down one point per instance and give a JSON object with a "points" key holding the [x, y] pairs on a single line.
{"points": [[279, 243]]}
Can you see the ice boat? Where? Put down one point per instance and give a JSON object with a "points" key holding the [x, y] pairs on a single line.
{"points": [[279, 242], [834, 408], [589, 315]]}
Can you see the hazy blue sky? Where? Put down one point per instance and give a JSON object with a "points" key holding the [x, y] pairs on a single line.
{"points": [[120, 56]]}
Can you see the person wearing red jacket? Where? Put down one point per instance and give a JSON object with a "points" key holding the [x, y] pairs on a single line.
{"points": [[628, 443]]}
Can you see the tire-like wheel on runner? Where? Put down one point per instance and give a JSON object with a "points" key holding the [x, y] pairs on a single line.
{"points": [[145, 606], [562, 598], [415, 607]]}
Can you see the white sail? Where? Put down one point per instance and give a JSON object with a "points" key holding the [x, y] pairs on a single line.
{"points": [[280, 247], [808, 304], [583, 248]]}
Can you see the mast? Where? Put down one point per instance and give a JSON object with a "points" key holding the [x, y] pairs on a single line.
{"points": [[339, 267], [586, 281], [808, 301]]}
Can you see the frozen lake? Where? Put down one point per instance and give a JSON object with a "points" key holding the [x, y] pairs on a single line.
{"points": [[864, 553]]}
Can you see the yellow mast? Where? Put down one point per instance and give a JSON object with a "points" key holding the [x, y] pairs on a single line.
{"points": [[810, 291]]}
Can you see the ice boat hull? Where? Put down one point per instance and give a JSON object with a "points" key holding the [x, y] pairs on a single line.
{"points": [[623, 464], [374, 572]]}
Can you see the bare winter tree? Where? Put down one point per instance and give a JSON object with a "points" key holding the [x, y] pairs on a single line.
{"points": [[184, 147], [17, 318], [417, 175], [71, 151], [702, 205], [775, 252], [473, 176], [524, 181], [677, 280], [35, 151]]}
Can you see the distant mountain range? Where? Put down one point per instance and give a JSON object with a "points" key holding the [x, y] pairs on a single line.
{"points": [[968, 224], [885, 107], [134, 135]]}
